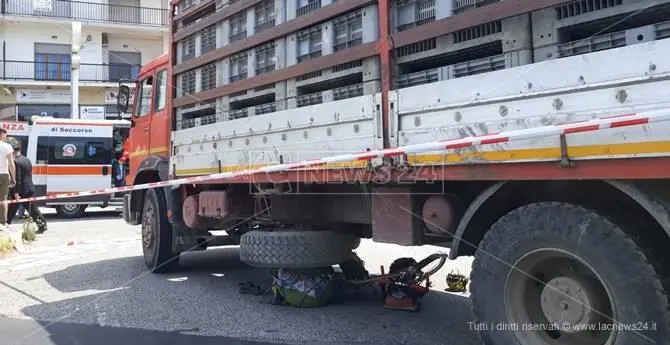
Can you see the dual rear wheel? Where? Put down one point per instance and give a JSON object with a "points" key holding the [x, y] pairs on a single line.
{"points": [[558, 274]]}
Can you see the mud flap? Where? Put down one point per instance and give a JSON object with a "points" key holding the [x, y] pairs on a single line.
{"points": [[183, 238], [129, 216]]}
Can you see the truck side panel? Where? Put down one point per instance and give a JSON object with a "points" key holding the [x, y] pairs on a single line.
{"points": [[350, 125], [536, 95]]}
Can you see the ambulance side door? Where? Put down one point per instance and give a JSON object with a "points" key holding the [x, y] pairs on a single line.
{"points": [[77, 160], [38, 152]]}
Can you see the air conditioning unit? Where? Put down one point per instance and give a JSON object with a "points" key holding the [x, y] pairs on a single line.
{"points": [[105, 39]]}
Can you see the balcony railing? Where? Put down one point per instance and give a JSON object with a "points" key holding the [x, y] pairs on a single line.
{"points": [[311, 6], [53, 71], [89, 11]]}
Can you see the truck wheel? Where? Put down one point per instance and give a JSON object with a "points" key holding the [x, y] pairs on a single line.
{"points": [[157, 234], [296, 249], [70, 211], [552, 273]]}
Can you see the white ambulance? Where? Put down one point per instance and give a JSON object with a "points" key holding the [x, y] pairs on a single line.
{"points": [[70, 155]]}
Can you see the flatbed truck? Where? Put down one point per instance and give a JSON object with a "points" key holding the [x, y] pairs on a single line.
{"points": [[569, 232]]}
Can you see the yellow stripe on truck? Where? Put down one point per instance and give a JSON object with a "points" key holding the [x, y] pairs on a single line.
{"points": [[232, 168], [652, 147], [154, 151]]}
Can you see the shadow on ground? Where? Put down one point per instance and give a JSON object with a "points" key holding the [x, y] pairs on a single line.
{"points": [[29, 332], [124, 272], [203, 298], [99, 215]]}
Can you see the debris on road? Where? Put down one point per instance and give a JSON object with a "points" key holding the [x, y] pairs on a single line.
{"points": [[402, 288], [456, 282]]}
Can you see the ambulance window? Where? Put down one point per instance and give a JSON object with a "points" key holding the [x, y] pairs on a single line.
{"points": [[75, 150], [144, 94], [68, 150], [42, 150], [161, 90]]}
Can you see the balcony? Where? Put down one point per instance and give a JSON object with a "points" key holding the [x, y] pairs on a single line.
{"points": [[310, 6], [59, 72], [89, 11]]}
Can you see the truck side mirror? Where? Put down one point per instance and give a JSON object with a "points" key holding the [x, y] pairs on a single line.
{"points": [[123, 98]]}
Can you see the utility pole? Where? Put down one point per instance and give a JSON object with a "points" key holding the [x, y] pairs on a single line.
{"points": [[74, 75]]}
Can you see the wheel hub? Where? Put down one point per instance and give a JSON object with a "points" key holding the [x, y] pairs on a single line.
{"points": [[70, 208], [569, 303], [147, 230], [556, 288]]}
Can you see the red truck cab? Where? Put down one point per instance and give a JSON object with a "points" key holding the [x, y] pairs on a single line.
{"points": [[149, 135]]}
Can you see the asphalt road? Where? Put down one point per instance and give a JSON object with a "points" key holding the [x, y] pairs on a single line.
{"points": [[84, 282]]}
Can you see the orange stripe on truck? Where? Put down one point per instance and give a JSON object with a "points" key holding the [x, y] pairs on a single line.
{"points": [[70, 170]]}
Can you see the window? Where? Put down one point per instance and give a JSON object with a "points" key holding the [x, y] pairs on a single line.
{"points": [[123, 72], [124, 65], [112, 111], [188, 82], [238, 26], [52, 66], [144, 96], [238, 67], [265, 15], [7, 112], [412, 13], [188, 48], [161, 93], [186, 4], [309, 43], [207, 39], [25, 112], [56, 150], [265, 58], [208, 76], [348, 31]]}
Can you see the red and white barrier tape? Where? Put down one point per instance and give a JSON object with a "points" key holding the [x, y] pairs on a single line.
{"points": [[494, 138]]}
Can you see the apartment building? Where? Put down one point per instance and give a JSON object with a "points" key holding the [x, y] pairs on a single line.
{"points": [[243, 58], [251, 41], [118, 36]]}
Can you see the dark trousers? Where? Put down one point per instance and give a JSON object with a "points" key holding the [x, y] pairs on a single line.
{"points": [[4, 191], [33, 212]]}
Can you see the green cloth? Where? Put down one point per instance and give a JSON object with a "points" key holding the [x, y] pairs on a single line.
{"points": [[303, 288]]}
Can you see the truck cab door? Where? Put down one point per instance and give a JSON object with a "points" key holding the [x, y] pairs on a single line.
{"points": [[160, 119], [140, 133]]}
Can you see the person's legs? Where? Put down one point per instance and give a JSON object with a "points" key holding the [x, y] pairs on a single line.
{"points": [[36, 214], [4, 190], [11, 211], [38, 218]]}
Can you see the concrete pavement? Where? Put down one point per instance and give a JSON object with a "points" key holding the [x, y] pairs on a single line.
{"points": [[98, 287]]}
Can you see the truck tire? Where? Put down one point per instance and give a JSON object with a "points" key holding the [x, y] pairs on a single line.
{"points": [[541, 264], [70, 211], [157, 234], [296, 249]]}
